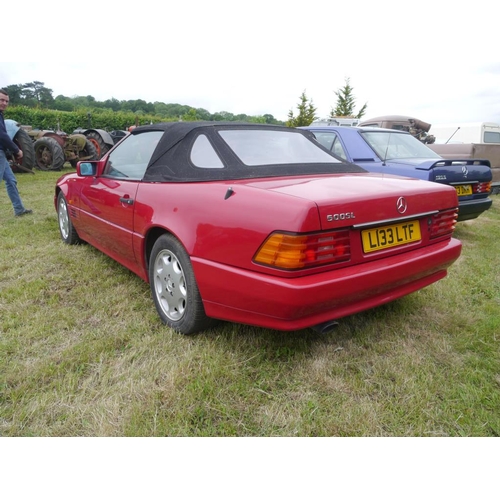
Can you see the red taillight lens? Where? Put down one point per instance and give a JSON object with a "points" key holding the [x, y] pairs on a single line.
{"points": [[292, 251], [481, 187], [443, 223]]}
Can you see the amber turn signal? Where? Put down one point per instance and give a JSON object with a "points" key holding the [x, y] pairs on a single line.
{"points": [[298, 251]]}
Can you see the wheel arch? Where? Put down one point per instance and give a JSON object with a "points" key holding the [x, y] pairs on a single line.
{"points": [[153, 234], [63, 184], [12, 127], [151, 237], [106, 137], [52, 135], [60, 188]]}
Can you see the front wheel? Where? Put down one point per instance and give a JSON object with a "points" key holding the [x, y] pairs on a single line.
{"points": [[66, 228], [173, 285]]}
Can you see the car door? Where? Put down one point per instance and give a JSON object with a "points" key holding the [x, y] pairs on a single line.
{"points": [[351, 146], [107, 202]]}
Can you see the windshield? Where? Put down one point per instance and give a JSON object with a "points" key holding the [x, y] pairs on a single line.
{"points": [[272, 147], [394, 146]]}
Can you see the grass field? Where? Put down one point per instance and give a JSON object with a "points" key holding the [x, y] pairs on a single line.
{"points": [[83, 353]]}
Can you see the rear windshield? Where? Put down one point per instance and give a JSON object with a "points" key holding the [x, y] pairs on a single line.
{"points": [[265, 147], [393, 146]]}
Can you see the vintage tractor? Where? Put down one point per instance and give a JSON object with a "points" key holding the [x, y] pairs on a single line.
{"points": [[417, 128], [53, 149], [21, 137], [102, 140]]}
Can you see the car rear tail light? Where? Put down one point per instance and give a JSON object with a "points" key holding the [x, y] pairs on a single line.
{"points": [[442, 223], [290, 251], [481, 187]]}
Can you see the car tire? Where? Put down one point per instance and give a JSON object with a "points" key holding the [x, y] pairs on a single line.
{"points": [[174, 288], [66, 228]]}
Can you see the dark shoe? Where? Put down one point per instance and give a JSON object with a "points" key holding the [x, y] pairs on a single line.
{"points": [[24, 212]]}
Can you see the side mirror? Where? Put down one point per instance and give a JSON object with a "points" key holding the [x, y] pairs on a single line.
{"points": [[86, 168]]}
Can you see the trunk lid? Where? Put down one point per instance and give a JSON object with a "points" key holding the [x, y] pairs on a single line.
{"points": [[369, 199]]}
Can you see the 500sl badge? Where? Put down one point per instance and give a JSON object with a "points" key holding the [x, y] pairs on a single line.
{"points": [[343, 216]]}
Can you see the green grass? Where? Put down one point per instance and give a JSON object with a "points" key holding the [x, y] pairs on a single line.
{"points": [[83, 353]]}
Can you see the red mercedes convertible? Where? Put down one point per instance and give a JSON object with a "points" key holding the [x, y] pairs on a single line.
{"points": [[256, 224]]}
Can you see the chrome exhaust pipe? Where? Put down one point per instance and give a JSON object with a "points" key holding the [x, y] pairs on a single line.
{"points": [[326, 327]]}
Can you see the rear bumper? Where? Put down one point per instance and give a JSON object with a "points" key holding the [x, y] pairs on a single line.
{"points": [[294, 303], [471, 209]]}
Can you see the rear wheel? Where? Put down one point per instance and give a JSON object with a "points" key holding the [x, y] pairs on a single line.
{"points": [[101, 147], [25, 144], [173, 285], [48, 154], [66, 228]]}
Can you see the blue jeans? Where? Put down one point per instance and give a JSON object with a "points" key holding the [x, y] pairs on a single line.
{"points": [[8, 176]]}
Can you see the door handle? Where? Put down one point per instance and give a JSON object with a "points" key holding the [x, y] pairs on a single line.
{"points": [[128, 201]]}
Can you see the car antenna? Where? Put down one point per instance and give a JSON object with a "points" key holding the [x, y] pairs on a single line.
{"points": [[386, 151], [229, 192], [458, 128]]}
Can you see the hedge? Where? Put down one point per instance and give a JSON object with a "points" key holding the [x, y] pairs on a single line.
{"points": [[68, 121]]}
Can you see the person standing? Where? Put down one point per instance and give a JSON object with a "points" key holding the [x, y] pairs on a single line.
{"points": [[6, 174]]}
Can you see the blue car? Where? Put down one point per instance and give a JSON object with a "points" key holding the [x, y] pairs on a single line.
{"points": [[399, 153]]}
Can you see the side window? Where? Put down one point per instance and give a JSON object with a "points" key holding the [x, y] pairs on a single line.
{"points": [[324, 138], [338, 149], [397, 126], [492, 137], [130, 159], [203, 155], [330, 141]]}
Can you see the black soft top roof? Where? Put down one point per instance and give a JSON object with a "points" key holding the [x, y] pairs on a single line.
{"points": [[171, 162]]}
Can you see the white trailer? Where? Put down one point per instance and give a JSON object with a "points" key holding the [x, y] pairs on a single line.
{"points": [[466, 133], [337, 121]]}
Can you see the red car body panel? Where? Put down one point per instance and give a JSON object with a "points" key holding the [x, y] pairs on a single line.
{"points": [[222, 233], [287, 304]]}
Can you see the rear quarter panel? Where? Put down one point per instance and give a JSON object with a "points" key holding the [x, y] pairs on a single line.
{"points": [[213, 227]]}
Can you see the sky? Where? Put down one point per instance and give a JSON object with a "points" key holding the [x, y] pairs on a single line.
{"points": [[437, 61]]}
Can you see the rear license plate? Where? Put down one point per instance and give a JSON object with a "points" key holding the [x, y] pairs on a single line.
{"points": [[390, 236], [464, 190]]}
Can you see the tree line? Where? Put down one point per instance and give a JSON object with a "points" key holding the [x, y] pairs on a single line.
{"points": [[36, 96]]}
